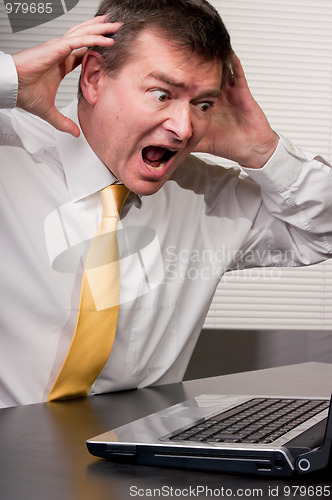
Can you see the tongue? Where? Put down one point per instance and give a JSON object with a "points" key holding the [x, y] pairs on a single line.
{"points": [[154, 153]]}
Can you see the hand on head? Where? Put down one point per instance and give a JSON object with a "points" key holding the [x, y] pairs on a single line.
{"points": [[239, 129], [42, 68]]}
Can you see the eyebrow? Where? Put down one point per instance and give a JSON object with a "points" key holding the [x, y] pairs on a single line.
{"points": [[165, 78]]}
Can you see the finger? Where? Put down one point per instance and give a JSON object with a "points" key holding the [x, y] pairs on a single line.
{"points": [[237, 66], [89, 36], [94, 29], [93, 37], [227, 74], [62, 123], [93, 20], [237, 70], [80, 42], [75, 59]]}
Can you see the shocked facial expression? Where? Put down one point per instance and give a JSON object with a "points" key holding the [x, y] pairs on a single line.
{"points": [[149, 116]]}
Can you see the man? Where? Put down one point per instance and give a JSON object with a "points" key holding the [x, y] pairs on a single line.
{"points": [[149, 96]]}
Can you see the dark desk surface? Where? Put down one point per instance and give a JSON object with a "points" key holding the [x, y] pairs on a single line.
{"points": [[43, 455]]}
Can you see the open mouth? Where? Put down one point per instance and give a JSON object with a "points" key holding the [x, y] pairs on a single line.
{"points": [[155, 157]]}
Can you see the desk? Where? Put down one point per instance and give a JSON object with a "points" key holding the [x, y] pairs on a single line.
{"points": [[43, 455]]}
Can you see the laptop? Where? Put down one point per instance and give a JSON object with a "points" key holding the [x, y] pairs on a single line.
{"points": [[275, 436]]}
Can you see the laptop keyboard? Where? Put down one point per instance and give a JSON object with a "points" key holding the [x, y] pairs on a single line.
{"points": [[259, 420]]}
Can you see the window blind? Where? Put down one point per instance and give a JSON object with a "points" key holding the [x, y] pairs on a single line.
{"points": [[274, 298], [286, 50]]}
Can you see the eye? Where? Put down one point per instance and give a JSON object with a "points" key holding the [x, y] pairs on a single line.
{"points": [[160, 95], [205, 106]]}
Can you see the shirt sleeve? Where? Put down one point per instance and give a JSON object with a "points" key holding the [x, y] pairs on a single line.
{"points": [[284, 166], [279, 215], [295, 187], [8, 82]]}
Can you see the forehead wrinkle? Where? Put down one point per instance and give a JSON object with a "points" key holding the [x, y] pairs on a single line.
{"points": [[165, 78]]}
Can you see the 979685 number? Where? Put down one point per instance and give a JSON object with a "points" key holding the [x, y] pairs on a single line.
{"points": [[28, 8]]}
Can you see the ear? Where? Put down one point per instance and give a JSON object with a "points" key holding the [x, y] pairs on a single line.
{"points": [[92, 74]]}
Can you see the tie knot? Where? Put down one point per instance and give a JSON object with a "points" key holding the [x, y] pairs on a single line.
{"points": [[113, 198]]}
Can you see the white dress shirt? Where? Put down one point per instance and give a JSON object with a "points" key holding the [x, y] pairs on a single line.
{"points": [[175, 247]]}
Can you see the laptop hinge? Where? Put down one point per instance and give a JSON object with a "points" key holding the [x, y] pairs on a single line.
{"points": [[317, 459]]}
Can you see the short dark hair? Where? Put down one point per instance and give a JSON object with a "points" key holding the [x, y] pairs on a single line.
{"points": [[192, 25]]}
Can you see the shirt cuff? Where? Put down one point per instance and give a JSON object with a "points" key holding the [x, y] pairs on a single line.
{"points": [[8, 82], [282, 168]]}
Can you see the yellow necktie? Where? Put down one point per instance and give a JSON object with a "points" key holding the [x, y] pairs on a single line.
{"points": [[99, 305]]}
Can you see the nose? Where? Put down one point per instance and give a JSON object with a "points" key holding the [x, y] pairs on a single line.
{"points": [[179, 121]]}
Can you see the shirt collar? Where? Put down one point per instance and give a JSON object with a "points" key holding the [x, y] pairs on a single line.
{"points": [[85, 173]]}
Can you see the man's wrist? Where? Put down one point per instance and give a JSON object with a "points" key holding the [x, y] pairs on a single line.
{"points": [[281, 170], [260, 155]]}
